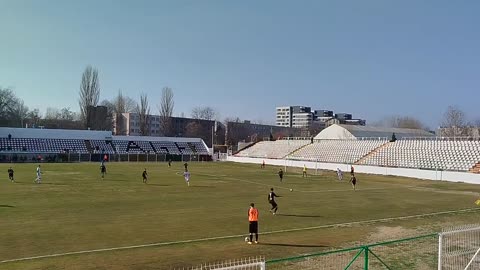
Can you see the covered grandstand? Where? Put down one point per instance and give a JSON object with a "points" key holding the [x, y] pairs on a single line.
{"points": [[60, 145]]}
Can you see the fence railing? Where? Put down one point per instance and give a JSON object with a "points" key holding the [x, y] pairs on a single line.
{"points": [[410, 253]]}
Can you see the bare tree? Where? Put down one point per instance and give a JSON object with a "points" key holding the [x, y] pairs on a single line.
{"points": [[121, 104], [401, 122], [166, 111], [67, 114], [203, 112], [454, 123], [52, 113], [7, 105], [20, 112], [110, 113], [124, 104], [143, 110], [89, 93], [34, 117], [12, 109]]}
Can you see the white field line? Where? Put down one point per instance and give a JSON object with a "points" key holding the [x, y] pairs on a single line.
{"points": [[241, 235]]}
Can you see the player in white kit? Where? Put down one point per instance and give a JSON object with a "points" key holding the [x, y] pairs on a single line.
{"points": [[186, 174], [339, 174], [38, 180]]}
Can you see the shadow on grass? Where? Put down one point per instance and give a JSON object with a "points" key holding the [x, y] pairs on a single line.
{"points": [[292, 245], [51, 184], [305, 216], [6, 205], [158, 185]]}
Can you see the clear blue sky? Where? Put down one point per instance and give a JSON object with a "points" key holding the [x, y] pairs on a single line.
{"points": [[369, 58]]}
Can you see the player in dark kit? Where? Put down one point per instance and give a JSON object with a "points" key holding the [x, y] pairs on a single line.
{"points": [[103, 170], [10, 174], [144, 176], [186, 166], [169, 163], [353, 181], [271, 200], [280, 174]]}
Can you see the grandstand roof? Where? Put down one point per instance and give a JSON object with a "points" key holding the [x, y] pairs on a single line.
{"points": [[37, 133], [354, 132], [55, 133]]}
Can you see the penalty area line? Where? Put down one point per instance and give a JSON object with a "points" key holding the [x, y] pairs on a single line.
{"points": [[241, 235]]}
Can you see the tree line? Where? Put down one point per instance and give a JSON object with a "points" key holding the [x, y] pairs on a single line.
{"points": [[14, 113]]}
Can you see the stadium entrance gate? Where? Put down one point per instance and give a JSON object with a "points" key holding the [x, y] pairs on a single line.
{"points": [[459, 248]]}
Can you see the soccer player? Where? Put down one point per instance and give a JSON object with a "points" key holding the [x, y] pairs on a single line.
{"points": [[103, 170], [263, 165], [253, 223], [186, 174], [304, 171], [144, 176], [352, 171], [169, 163], [280, 174], [10, 174], [38, 180], [339, 174], [271, 200], [186, 166], [353, 181]]}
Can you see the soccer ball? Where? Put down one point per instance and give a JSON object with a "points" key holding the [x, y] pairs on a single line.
{"points": [[246, 239], [291, 189]]}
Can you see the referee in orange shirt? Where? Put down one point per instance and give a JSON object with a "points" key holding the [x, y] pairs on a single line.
{"points": [[253, 223]]}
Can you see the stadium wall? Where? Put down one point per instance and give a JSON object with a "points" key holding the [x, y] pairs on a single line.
{"points": [[413, 173]]}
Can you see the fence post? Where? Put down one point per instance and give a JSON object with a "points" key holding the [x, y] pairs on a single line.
{"points": [[440, 236], [366, 258]]}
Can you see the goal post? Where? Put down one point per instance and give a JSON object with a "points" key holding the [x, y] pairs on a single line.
{"points": [[252, 263], [459, 248]]}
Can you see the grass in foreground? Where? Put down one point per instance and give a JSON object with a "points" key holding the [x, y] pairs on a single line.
{"points": [[74, 210]]}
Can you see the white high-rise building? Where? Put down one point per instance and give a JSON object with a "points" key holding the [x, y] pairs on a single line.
{"points": [[304, 117], [284, 117]]}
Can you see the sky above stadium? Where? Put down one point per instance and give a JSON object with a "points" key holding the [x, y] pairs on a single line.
{"points": [[369, 58]]}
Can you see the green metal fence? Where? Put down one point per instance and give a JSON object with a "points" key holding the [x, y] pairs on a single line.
{"points": [[419, 252]]}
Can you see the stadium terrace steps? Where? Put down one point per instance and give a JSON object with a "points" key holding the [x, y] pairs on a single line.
{"points": [[272, 149], [475, 168], [373, 152], [337, 151], [297, 150]]}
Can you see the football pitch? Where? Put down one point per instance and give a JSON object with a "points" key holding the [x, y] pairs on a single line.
{"points": [[76, 220]]}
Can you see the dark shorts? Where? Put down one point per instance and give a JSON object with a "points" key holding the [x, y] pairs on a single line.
{"points": [[273, 203], [354, 182], [253, 227]]}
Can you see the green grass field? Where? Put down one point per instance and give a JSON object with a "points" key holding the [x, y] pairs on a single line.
{"points": [[74, 210]]}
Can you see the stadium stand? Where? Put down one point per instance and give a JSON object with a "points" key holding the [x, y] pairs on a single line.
{"points": [[166, 148], [337, 151], [103, 147], [43, 145], [272, 149], [456, 155], [22, 140]]}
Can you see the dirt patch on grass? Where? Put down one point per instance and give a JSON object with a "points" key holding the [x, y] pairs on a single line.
{"points": [[471, 193], [385, 233]]}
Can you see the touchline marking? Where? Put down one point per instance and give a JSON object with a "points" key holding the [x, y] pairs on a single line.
{"points": [[241, 235]]}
